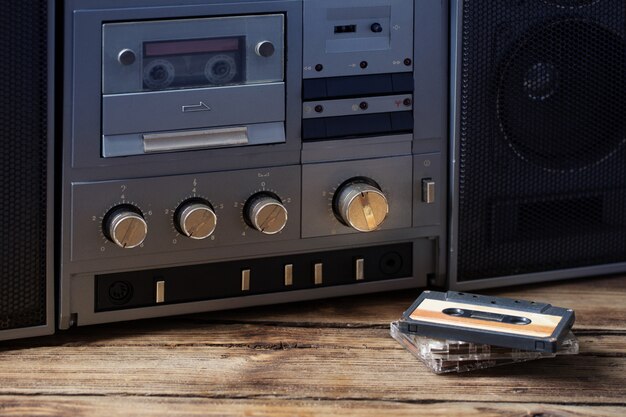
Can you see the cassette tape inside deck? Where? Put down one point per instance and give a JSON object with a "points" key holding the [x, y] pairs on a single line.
{"points": [[193, 63]]}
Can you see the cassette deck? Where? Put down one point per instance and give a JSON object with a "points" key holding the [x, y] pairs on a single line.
{"points": [[220, 155]]}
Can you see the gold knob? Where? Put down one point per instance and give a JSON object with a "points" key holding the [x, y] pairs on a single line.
{"points": [[125, 226], [361, 205], [195, 219], [266, 213]]}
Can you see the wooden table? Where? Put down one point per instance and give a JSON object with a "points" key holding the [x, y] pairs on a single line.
{"points": [[316, 358]]}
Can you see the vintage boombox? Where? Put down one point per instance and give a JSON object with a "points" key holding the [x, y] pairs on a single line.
{"points": [[163, 157]]}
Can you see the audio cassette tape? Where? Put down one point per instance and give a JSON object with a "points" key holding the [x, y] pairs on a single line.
{"points": [[494, 321]]}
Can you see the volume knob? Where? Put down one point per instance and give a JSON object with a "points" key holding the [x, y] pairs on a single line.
{"points": [[195, 219], [265, 213], [125, 226], [360, 204]]}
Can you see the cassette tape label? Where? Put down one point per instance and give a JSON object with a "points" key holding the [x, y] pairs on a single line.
{"points": [[435, 311]]}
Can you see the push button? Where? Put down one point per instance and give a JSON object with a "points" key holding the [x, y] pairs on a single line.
{"points": [[160, 292], [359, 269], [318, 275], [428, 190], [288, 275], [245, 280]]}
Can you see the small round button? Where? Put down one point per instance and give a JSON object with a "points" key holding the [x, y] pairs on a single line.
{"points": [[266, 213], [376, 28], [265, 49], [195, 219], [125, 226], [126, 57]]}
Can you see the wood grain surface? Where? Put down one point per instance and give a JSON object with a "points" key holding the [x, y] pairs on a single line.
{"points": [[318, 358]]}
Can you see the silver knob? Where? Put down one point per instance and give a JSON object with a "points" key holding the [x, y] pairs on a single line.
{"points": [[125, 226], [195, 219], [265, 49], [265, 213], [361, 205]]}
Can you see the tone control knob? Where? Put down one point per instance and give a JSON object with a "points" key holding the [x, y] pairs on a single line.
{"points": [[360, 204], [265, 212], [125, 226], [265, 49], [195, 218]]}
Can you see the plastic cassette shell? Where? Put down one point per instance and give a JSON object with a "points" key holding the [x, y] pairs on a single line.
{"points": [[444, 356], [488, 320]]}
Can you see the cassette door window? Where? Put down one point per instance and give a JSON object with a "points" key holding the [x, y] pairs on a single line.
{"points": [[190, 53]]}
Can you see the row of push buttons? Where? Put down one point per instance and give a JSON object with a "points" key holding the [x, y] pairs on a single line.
{"points": [[318, 274], [318, 277]]}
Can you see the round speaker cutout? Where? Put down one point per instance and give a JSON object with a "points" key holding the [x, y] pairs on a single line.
{"points": [[560, 98]]}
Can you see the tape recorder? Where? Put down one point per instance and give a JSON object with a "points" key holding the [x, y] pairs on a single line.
{"points": [[213, 155], [179, 157]]}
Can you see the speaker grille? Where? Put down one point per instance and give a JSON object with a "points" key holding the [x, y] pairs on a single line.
{"points": [[23, 153], [542, 162]]}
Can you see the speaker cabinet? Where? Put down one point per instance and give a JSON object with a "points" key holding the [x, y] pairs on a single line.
{"points": [[538, 126], [26, 169]]}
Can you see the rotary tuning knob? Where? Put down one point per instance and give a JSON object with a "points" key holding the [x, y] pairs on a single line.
{"points": [[195, 218], [266, 213], [125, 226], [359, 203]]}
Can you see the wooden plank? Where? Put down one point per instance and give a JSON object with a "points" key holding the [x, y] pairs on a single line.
{"points": [[100, 406], [320, 372], [600, 304], [182, 332]]}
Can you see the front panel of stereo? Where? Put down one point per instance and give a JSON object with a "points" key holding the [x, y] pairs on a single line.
{"points": [[220, 155]]}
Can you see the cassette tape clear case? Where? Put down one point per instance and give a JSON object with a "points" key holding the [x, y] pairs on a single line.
{"points": [[443, 356]]}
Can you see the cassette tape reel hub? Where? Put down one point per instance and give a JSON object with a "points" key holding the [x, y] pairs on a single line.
{"points": [[159, 74], [220, 69]]}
